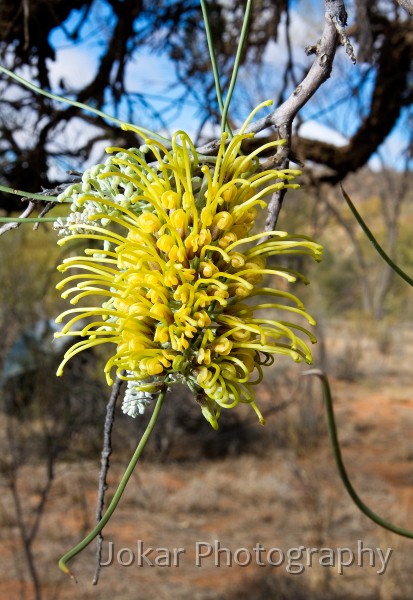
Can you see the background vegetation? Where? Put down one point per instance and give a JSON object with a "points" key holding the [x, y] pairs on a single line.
{"points": [[243, 484]]}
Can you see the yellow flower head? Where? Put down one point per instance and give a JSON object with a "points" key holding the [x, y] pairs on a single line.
{"points": [[179, 273]]}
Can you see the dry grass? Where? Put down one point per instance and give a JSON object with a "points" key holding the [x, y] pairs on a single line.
{"points": [[281, 492]]}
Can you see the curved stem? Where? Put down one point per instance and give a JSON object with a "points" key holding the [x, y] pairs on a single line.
{"points": [[77, 104], [373, 240], [121, 487], [236, 64], [332, 430]]}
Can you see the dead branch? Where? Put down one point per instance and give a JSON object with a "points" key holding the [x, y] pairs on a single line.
{"points": [[26, 213], [104, 467], [407, 5]]}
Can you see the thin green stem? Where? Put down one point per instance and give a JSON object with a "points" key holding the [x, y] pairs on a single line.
{"points": [[28, 219], [213, 61], [9, 190], [375, 243], [236, 64], [80, 105], [332, 430], [118, 494]]}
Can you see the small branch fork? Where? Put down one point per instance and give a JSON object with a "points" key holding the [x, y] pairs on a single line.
{"points": [[26, 213], [32, 205], [407, 5]]}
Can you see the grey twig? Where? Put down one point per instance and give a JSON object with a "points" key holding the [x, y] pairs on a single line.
{"points": [[48, 206], [335, 9], [32, 205], [407, 5], [26, 213], [28, 533], [273, 211], [104, 467]]}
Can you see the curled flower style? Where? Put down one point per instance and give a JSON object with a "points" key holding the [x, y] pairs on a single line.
{"points": [[179, 275]]}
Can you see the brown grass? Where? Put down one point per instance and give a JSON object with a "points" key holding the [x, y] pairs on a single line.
{"points": [[283, 492]]}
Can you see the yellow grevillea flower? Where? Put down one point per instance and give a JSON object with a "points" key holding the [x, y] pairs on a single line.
{"points": [[180, 273]]}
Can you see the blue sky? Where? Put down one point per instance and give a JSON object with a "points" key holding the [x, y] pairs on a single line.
{"points": [[153, 75], [149, 74]]}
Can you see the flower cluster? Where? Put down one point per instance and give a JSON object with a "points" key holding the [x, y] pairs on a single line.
{"points": [[179, 273]]}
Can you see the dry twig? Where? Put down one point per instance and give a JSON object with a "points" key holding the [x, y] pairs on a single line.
{"points": [[104, 467]]}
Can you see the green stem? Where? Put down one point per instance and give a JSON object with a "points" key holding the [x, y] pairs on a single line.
{"points": [[77, 104], [236, 64], [375, 243], [213, 61], [121, 487], [27, 219], [332, 430], [9, 190]]}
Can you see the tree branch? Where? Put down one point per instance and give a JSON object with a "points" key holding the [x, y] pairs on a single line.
{"points": [[388, 96], [407, 5], [26, 213], [283, 116], [104, 467]]}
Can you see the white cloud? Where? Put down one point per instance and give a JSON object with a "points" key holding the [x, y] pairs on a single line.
{"points": [[317, 131], [75, 67]]}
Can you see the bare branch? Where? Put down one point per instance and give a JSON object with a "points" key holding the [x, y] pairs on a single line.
{"points": [[25, 536], [283, 117], [46, 208], [407, 5], [32, 205], [26, 213], [104, 467], [389, 94], [335, 9], [273, 211]]}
